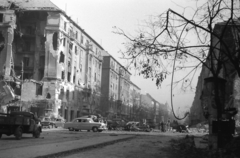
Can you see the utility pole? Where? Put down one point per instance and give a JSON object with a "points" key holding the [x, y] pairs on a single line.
{"points": [[22, 71]]}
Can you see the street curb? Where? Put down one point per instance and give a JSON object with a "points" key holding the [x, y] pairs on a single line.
{"points": [[73, 151]]}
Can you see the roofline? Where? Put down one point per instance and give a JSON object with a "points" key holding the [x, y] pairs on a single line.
{"points": [[135, 85], [118, 62], [64, 13], [74, 23]]}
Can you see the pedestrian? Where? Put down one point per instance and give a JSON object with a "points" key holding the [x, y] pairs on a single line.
{"points": [[162, 126], [168, 124]]}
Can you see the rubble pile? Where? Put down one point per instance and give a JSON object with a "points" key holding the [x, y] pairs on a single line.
{"points": [[185, 147], [231, 150]]}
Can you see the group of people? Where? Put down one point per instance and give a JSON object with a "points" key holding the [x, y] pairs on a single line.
{"points": [[165, 126]]}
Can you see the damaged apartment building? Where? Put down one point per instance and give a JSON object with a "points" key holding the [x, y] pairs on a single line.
{"points": [[57, 62]]}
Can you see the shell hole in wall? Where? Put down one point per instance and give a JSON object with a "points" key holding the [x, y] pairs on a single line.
{"points": [[48, 96]]}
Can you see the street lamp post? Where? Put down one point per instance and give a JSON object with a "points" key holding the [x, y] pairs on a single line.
{"points": [[22, 71]]}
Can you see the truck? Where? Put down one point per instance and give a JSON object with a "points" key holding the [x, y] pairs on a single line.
{"points": [[18, 122], [151, 123]]}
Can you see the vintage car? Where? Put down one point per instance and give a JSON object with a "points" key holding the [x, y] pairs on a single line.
{"points": [[47, 122], [59, 122], [17, 123], [85, 124]]}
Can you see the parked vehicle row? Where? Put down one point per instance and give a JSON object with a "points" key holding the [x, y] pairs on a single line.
{"points": [[52, 122], [85, 123]]}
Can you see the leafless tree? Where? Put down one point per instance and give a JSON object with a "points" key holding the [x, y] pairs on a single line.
{"points": [[197, 37]]}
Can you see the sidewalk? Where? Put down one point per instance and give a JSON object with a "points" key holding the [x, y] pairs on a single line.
{"points": [[51, 150]]}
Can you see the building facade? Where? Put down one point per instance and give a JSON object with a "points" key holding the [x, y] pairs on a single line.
{"points": [[115, 88], [134, 101], [40, 42]]}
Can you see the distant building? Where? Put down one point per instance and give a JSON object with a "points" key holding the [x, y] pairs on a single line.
{"points": [[134, 101], [115, 88]]}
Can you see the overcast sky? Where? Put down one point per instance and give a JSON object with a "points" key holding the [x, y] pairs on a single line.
{"points": [[98, 17]]}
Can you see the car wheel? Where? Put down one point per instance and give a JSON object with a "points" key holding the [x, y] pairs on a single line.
{"points": [[76, 130], [95, 129], [36, 133], [70, 129], [88, 130], [18, 133]]}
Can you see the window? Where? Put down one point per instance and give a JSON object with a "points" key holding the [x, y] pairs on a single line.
{"points": [[76, 35], [42, 61], [64, 41], [63, 75], [26, 61], [76, 50], [1, 17], [65, 26], [62, 57], [81, 39], [67, 95], [27, 46], [39, 89]]}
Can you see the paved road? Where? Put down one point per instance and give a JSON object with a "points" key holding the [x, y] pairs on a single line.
{"points": [[48, 136], [54, 141]]}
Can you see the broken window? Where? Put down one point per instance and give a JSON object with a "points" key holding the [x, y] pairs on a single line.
{"points": [[1, 18], [69, 66], [42, 61], [73, 95], [26, 61], [61, 94], [55, 41], [74, 77], [64, 42], [65, 26], [39, 89], [63, 75], [40, 74], [67, 95], [2, 42], [42, 43], [27, 46], [69, 71], [76, 50], [81, 39], [70, 45], [69, 76], [48, 96], [76, 35], [62, 57]]}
